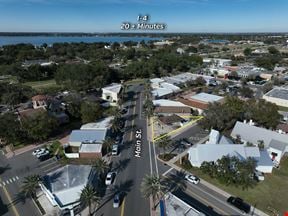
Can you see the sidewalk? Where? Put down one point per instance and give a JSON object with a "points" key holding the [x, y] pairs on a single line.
{"points": [[171, 163]]}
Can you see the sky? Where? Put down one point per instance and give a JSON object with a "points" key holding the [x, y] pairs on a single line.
{"points": [[178, 15]]}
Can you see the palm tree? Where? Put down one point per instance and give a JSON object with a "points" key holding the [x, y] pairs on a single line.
{"points": [[116, 124], [153, 185], [88, 197], [30, 185], [164, 143], [100, 166], [176, 181], [107, 144], [149, 107]]}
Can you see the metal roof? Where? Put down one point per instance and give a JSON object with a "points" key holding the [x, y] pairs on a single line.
{"points": [[114, 87], [281, 93], [101, 124], [208, 98], [93, 136], [67, 182], [253, 134], [163, 102], [90, 148]]}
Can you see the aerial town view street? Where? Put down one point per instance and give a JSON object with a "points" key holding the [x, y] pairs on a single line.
{"points": [[143, 108]]}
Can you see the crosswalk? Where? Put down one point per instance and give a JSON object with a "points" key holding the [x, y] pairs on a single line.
{"points": [[3, 183]]}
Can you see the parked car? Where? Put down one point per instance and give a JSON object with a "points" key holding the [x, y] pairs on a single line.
{"points": [[193, 179], [115, 150], [38, 151], [259, 175], [44, 156], [116, 201], [239, 203], [45, 152], [110, 178]]}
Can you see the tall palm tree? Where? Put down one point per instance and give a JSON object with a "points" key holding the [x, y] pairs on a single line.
{"points": [[101, 166], [116, 124], [88, 197], [30, 185], [107, 144], [164, 143], [152, 185], [176, 181]]}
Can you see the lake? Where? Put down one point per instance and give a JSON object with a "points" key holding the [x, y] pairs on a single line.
{"points": [[39, 40]]}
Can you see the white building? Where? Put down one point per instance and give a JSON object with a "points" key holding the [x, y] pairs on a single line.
{"points": [[63, 186], [275, 143], [279, 96], [217, 62], [111, 93], [218, 147], [161, 89]]}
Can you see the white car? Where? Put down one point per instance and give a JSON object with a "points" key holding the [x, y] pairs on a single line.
{"points": [[193, 179], [110, 178], [45, 152], [116, 201], [38, 151], [115, 150]]}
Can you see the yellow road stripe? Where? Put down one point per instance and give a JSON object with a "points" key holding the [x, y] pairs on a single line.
{"points": [[174, 131], [10, 200], [123, 207]]}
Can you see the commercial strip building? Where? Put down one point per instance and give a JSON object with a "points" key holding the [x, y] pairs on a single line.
{"points": [[63, 186], [218, 146], [278, 95], [87, 142], [163, 106], [162, 89], [199, 101]]}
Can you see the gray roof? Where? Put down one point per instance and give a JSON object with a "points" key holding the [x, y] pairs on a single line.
{"points": [[67, 182], [278, 145], [93, 136], [253, 134], [281, 93], [208, 98]]}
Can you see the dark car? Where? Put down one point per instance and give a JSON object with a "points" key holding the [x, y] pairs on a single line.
{"points": [[239, 203], [44, 156]]}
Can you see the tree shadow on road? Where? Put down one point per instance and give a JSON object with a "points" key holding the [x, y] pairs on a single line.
{"points": [[4, 169], [126, 145], [121, 165], [123, 188]]}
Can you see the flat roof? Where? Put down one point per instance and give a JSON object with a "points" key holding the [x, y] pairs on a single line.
{"points": [[67, 182], [102, 124], [170, 103], [174, 206], [90, 148], [281, 93], [208, 98], [93, 136], [114, 87]]}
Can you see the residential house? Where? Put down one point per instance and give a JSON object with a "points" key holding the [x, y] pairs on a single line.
{"points": [[217, 62], [275, 143], [218, 147], [63, 186], [200, 101], [162, 89], [111, 93]]}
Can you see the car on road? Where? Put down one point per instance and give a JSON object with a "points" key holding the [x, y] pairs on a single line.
{"points": [[110, 178], [45, 152], [114, 150], [38, 151], [193, 179], [239, 203], [45, 156], [116, 201]]}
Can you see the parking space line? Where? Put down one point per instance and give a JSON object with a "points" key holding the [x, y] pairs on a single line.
{"points": [[14, 179], [4, 183], [17, 177], [165, 173]]}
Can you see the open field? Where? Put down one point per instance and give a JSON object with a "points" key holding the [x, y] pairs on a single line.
{"points": [[42, 84], [270, 194]]}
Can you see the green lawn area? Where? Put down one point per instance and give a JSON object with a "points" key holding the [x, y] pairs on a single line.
{"points": [[42, 84], [285, 109], [271, 193]]}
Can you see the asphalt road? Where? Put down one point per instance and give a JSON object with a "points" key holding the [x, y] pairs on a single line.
{"points": [[131, 167], [16, 168]]}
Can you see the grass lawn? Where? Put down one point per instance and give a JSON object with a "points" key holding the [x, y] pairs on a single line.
{"points": [[271, 193], [42, 84], [285, 109]]}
